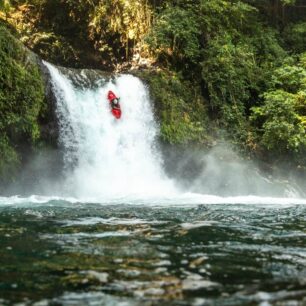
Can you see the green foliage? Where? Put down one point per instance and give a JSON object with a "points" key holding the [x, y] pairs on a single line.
{"points": [[288, 2], [182, 29], [175, 35], [9, 161], [235, 72], [281, 120], [295, 37], [120, 23], [229, 71], [279, 12], [87, 31], [283, 129], [21, 99], [303, 60], [237, 53], [181, 110], [290, 78], [219, 16]]}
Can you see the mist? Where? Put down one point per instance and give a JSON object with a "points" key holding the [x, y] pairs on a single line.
{"points": [[42, 174], [220, 171]]}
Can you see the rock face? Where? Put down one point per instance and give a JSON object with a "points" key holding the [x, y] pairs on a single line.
{"points": [[49, 128]]}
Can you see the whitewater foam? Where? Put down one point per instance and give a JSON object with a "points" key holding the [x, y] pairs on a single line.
{"points": [[185, 200], [106, 157]]}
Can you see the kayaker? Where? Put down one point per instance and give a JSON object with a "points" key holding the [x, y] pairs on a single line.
{"points": [[114, 101]]}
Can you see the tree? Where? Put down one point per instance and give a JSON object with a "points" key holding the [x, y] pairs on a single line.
{"points": [[281, 120], [121, 23], [175, 36], [295, 37]]}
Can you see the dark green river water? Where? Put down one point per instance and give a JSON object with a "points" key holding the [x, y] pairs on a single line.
{"points": [[63, 253]]}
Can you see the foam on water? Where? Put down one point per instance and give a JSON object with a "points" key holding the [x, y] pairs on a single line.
{"points": [[108, 157], [186, 200]]}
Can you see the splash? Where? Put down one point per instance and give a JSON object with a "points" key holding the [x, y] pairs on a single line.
{"points": [[105, 157]]}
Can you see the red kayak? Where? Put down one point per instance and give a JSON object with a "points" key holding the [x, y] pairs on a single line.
{"points": [[114, 104]]}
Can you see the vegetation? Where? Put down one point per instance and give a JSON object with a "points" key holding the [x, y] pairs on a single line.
{"points": [[233, 66], [81, 33], [180, 108], [21, 102], [281, 119]]}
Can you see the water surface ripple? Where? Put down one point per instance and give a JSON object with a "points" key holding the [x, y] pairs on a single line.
{"points": [[66, 253]]}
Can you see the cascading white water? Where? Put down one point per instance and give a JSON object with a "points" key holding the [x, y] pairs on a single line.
{"points": [[106, 157]]}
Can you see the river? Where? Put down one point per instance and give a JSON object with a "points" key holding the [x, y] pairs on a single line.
{"points": [[116, 230]]}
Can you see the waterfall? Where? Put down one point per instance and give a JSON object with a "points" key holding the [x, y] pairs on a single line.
{"points": [[103, 156], [110, 159]]}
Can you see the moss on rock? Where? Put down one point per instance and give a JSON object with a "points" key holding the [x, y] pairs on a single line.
{"points": [[179, 107], [21, 102]]}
